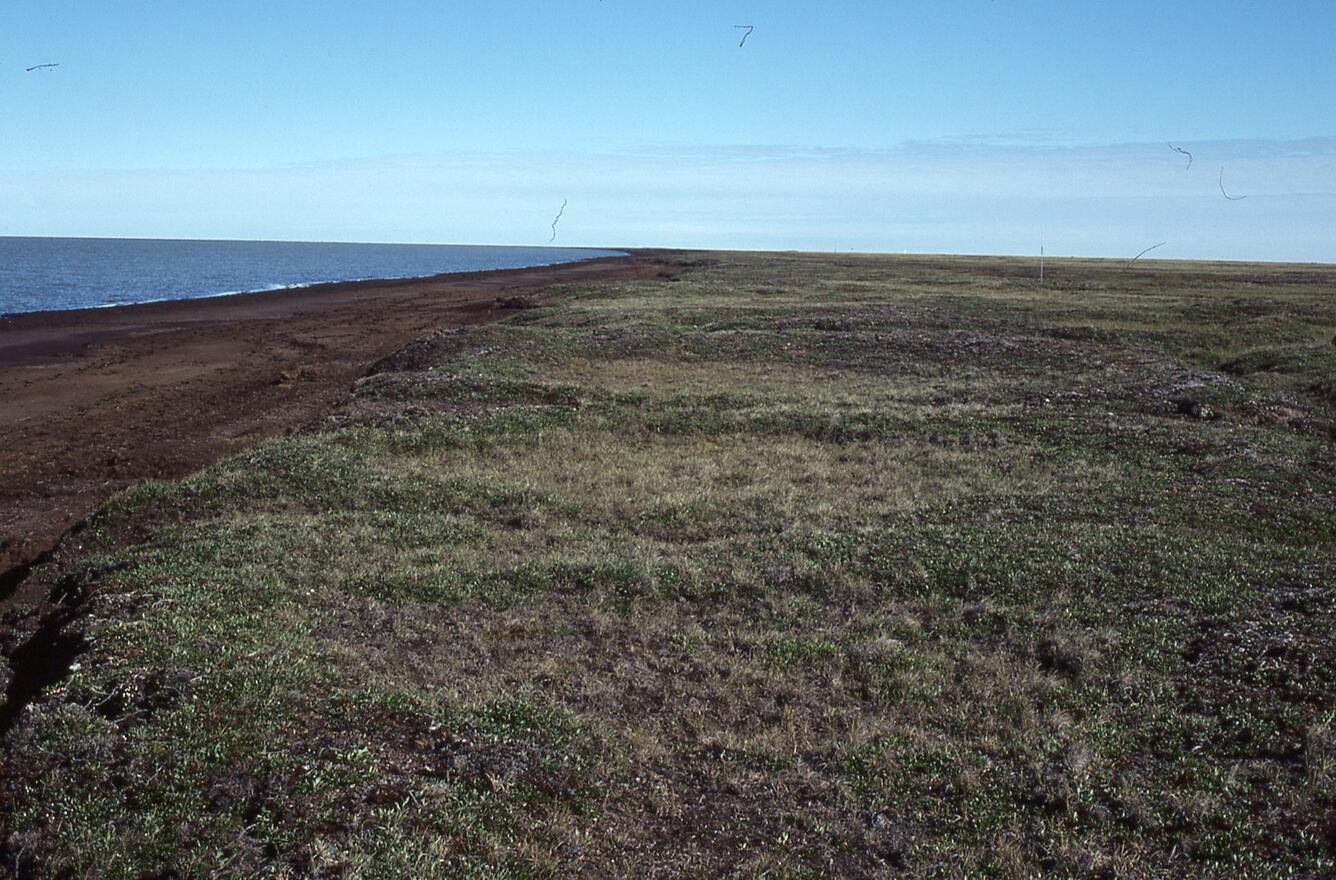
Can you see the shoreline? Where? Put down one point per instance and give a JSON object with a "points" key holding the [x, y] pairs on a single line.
{"points": [[271, 303], [101, 399], [614, 254]]}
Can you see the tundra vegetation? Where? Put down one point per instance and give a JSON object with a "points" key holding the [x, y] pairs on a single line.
{"points": [[790, 566]]}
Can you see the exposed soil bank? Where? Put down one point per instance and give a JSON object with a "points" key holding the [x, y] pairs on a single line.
{"points": [[100, 399]]}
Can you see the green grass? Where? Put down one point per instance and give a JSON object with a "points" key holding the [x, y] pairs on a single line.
{"points": [[792, 566]]}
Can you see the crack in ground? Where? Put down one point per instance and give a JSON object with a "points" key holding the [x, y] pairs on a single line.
{"points": [[45, 659]]}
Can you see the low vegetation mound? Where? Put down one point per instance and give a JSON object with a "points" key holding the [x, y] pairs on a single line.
{"points": [[792, 566]]}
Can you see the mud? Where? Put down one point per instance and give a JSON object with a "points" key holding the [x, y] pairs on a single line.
{"points": [[94, 401]]}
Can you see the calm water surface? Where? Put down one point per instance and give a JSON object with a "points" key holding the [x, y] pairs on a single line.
{"points": [[47, 274]]}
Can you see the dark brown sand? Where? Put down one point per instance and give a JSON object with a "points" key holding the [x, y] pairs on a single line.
{"points": [[96, 400]]}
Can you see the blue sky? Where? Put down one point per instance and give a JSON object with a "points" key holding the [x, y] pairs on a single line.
{"points": [[970, 126]]}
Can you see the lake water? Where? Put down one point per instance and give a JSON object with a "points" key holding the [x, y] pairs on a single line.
{"points": [[46, 274]]}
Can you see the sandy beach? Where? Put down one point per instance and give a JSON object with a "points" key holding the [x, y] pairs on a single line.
{"points": [[97, 400]]}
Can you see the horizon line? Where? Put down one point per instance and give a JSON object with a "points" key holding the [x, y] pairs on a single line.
{"points": [[627, 250]]}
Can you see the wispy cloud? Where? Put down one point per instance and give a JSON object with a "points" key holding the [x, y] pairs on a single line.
{"points": [[960, 196]]}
